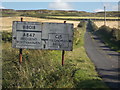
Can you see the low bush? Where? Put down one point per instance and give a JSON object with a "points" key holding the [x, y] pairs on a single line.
{"points": [[91, 26], [82, 23], [111, 36], [6, 36]]}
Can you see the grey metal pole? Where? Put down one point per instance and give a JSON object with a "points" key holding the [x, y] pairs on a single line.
{"points": [[104, 15]]}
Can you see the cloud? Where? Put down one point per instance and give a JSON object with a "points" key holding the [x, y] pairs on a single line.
{"points": [[98, 10], [62, 0], [111, 7], [60, 5], [1, 7], [115, 8]]}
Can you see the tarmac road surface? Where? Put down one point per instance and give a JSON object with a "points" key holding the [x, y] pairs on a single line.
{"points": [[105, 59]]}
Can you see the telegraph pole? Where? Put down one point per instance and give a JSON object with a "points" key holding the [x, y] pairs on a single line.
{"points": [[104, 15]]}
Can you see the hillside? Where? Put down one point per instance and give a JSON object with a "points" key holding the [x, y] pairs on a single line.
{"points": [[43, 13]]}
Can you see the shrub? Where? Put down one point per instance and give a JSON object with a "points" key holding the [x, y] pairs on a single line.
{"points": [[81, 24], [110, 35], [92, 26], [6, 36]]}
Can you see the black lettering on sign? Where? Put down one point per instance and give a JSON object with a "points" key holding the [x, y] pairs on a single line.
{"points": [[60, 44], [58, 36], [28, 34], [28, 27]]}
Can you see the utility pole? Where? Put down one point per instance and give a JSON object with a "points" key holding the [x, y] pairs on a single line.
{"points": [[104, 15]]}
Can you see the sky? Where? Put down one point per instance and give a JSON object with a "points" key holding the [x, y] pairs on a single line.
{"points": [[79, 5]]}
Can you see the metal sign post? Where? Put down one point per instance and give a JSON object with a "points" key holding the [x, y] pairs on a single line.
{"points": [[20, 51], [63, 53]]}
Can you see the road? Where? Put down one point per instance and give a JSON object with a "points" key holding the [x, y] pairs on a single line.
{"points": [[105, 60]]}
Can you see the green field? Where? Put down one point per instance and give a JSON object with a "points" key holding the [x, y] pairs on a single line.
{"points": [[73, 17], [43, 69]]}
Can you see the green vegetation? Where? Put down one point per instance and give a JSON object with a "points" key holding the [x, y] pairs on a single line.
{"points": [[9, 13], [108, 14], [110, 36], [59, 14], [73, 17], [6, 36], [92, 26], [42, 68], [81, 24]]}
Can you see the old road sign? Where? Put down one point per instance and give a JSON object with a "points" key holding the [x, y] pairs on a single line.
{"points": [[37, 35], [27, 35]]}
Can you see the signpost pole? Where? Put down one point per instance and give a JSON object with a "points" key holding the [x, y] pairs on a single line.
{"points": [[20, 51], [63, 53]]}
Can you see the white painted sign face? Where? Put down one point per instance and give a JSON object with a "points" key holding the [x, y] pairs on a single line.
{"points": [[27, 35], [58, 40], [59, 36], [36, 35]]}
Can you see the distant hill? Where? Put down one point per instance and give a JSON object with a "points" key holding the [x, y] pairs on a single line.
{"points": [[109, 13], [42, 13]]}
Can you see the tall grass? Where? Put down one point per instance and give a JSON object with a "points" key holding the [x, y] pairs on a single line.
{"points": [[43, 69]]}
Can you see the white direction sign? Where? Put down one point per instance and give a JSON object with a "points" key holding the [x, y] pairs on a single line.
{"points": [[36, 35], [58, 36], [27, 35]]}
